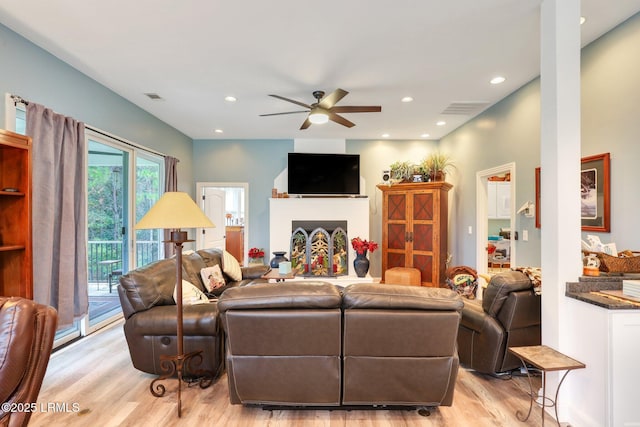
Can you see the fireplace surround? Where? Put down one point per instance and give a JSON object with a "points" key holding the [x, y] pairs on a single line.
{"points": [[351, 213]]}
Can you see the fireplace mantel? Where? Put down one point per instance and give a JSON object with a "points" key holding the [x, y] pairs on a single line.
{"points": [[282, 211]]}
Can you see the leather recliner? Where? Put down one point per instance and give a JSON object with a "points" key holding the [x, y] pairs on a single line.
{"points": [[27, 330], [508, 317], [309, 344], [146, 297]]}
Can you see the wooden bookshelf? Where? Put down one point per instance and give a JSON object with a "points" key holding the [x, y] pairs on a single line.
{"points": [[16, 275]]}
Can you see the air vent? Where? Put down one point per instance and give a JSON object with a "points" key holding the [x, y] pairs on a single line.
{"points": [[153, 96], [466, 108]]}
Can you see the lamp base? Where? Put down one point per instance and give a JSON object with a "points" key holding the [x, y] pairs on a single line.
{"points": [[178, 366]]}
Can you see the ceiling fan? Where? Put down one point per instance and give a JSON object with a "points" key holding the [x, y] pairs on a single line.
{"points": [[325, 109]]}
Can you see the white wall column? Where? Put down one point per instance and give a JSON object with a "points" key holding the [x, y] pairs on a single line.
{"points": [[560, 174]]}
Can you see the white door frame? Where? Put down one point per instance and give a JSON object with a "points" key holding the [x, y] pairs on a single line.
{"points": [[200, 186], [482, 226]]}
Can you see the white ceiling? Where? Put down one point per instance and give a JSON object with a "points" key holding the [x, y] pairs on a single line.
{"points": [[193, 53]]}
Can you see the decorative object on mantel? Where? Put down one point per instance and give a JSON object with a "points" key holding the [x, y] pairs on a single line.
{"points": [[256, 256], [277, 259], [361, 263]]}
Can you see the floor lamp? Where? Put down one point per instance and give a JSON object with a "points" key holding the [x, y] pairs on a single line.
{"points": [[175, 211]]}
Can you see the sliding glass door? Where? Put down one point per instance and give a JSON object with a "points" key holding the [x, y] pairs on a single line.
{"points": [[122, 184]]}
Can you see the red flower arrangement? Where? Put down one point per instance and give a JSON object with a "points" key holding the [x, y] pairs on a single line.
{"points": [[362, 246], [256, 253]]}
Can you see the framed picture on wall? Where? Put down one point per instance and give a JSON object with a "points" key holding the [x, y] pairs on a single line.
{"points": [[595, 199], [595, 196]]}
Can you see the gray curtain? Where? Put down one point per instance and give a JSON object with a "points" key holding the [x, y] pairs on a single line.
{"points": [[59, 218], [170, 184]]}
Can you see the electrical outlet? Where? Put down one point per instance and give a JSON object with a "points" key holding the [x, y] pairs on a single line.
{"points": [[525, 235], [470, 230]]}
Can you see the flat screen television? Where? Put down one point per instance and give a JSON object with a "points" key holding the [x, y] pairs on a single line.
{"points": [[324, 174]]}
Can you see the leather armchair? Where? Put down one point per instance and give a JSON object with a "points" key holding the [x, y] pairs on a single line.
{"points": [[27, 330], [509, 316]]}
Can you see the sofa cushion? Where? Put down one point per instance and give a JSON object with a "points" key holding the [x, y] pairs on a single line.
{"points": [[307, 294], [499, 288], [372, 295], [200, 319], [150, 285], [192, 263]]}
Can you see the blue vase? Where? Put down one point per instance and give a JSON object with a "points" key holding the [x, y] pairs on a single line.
{"points": [[361, 264], [277, 259]]}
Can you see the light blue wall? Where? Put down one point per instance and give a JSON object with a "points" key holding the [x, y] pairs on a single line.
{"points": [[37, 76], [260, 162], [510, 132]]}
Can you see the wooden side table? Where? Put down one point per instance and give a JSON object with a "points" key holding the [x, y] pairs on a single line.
{"points": [[274, 274], [546, 359]]}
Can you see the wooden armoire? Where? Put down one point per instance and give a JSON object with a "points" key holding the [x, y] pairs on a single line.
{"points": [[16, 275], [414, 228]]}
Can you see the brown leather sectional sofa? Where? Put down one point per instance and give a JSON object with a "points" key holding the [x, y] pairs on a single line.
{"points": [[312, 344], [146, 296]]}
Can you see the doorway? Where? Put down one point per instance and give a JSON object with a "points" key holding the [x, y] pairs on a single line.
{"points": [[495, 218], [226, 204]]}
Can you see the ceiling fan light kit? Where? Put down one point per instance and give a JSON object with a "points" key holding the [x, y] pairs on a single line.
{"points": [[318, 116], [324, 109]]}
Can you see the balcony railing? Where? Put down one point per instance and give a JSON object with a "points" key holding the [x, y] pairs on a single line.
{"points": [[105, 250]]}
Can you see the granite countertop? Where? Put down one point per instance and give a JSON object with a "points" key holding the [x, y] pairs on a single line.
{"points": [[582, 290]]}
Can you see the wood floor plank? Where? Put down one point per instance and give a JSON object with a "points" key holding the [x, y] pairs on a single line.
{"points": [[96, 374]]}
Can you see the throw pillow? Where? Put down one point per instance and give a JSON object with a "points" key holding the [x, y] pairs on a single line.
{"points": [[190, 294], [231, 267], [212, 278]]}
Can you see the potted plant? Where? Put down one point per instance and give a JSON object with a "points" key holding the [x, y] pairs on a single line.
{"points": [[256, 256], [436, 165], [401, 171], [361, 263]]}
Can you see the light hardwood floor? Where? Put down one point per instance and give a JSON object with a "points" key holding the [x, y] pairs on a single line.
{"points": [[96, 375]]}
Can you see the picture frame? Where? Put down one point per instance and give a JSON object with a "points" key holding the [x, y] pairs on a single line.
{"points": [[595, 193]]}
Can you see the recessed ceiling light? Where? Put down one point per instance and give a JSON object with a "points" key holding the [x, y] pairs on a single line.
{"points": [[218, 131], [497, 80], [582, 20], [407, 99], [385, 135], [424, 135], [441, 123], [230, 98]]}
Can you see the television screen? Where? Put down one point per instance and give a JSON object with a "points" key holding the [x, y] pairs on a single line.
{"points": [[324, 174]]}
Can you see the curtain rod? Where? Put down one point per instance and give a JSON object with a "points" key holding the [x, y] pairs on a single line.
{"points": [[20, 100], [124, 141]]}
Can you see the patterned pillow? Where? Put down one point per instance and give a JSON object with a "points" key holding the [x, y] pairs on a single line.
{"points": [[212, 278], [231, 267]]}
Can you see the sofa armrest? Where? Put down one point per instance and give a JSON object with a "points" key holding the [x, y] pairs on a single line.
{"points": [[254, 271]]}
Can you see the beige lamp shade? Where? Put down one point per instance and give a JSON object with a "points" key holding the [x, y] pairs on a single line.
{"points": [[174, 210]]}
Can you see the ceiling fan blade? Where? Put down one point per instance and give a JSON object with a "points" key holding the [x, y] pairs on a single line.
{"points": [[357, 109], [288, 112], [332, 99], [341, 120], [302, 104], [306, 124]]}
